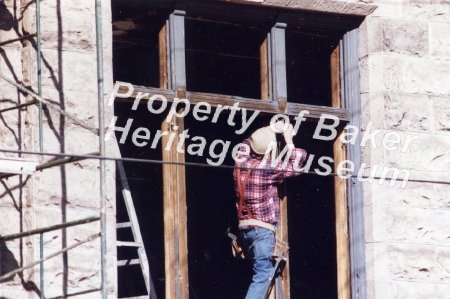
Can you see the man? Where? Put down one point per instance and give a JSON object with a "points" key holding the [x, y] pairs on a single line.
{"points": [[256, 184]]}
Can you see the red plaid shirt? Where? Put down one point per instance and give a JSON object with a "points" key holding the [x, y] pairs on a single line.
{"points": [[261, 190]]}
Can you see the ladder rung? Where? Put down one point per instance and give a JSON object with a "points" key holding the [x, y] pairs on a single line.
{"points": [[123, 224], [122, 263], [128, 244]]}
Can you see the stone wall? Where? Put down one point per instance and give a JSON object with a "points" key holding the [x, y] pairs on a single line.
{"points": [[63, 193], [405, 63]]}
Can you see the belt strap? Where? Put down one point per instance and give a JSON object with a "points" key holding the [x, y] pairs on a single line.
{"points": [[256, 222]]}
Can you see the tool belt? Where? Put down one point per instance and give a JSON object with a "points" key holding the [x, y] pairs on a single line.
{"points": [[281, 248], [255, 222]]}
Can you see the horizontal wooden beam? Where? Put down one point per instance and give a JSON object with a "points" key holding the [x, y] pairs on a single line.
{"points": [[292, 109]]}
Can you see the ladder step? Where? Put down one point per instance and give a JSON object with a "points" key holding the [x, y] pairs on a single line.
{"points": [[123, 225], [128, 244], [122, 263]]}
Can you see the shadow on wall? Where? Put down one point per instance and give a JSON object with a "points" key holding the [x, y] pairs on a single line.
{"points": [[7, 264], [6, 18], [9, 21]]}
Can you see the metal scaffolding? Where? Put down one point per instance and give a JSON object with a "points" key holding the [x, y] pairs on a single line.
{"points": [[40, 101]]}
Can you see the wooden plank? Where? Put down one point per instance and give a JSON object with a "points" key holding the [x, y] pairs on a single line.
{"points": [[182, 215], [169, 220], [340, 190], [264, 70], [342, 238], [163, 60], [335, 78], [285, 278], [279, 94], [175, 215], [292, 109]]}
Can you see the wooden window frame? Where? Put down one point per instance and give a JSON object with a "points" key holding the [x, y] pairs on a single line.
{"points": [[345, 99]]}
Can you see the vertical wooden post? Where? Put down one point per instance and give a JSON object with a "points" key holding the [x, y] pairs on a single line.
{"points": [[340, 191], [163, 61], [174, 184], [279, 94], [341, 212], [265, 69], [175, 235], [335, 78]]}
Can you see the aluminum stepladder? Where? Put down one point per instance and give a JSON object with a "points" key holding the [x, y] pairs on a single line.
{"points": [[138, 243], [280, 258]]}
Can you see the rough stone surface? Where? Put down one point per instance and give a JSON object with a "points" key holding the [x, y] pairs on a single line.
{"points": [[408, 112], [440, 40], [76, 31], [48, 197], [404, 80], [406, 37], [350, 7]]}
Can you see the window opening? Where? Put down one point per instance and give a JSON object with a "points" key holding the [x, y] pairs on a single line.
{"points": [[312, 229], [308, 59], [223, 58], [136, 44]]}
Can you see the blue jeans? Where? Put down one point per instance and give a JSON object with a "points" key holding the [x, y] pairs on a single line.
{"points": [[259, 243]]}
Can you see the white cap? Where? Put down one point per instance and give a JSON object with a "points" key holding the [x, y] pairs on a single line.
{"points": [[260, 140]]}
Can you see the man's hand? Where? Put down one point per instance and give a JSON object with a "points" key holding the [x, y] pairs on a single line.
{"points": [[288, 134], [279, 125]]}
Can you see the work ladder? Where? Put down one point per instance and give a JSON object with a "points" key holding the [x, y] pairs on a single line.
{"points": [[138, 243]]}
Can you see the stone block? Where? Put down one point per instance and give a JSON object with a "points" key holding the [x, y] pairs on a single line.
{"points": [[440, 40], [370, 32], [388, 8], [66, 31], [82, 268], [10, 221], [428, 153], [419, 195], [76, 7], [442, 195], [419, 263], [441, 111], [405, 36], [379, 289], [416, 75], [10, 65], [411, 225], [79, 191], [372, 73], [437, 11], [377, 261], [418, 290], [407, 112], [13, 193], [68, 71], [47, 216]]}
